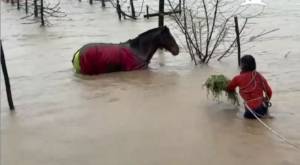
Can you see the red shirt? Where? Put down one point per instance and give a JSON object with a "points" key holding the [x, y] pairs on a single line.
{"points": [[100, 58], [252, 87]]}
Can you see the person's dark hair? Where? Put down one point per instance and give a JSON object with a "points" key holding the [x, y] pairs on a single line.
{"points": [[248, 63]]}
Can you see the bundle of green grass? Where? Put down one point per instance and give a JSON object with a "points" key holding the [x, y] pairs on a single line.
{"points": [[217, 86]]}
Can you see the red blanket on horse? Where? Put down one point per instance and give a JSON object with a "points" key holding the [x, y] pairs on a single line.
{"points": [[99, 58]]}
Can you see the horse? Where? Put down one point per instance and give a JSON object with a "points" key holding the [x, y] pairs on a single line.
{"points": [[134, 54]]}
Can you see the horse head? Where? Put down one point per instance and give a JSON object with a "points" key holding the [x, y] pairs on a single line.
{"points": [[167, 41]]}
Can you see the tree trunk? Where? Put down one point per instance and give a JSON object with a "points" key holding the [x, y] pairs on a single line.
{"points": [[6, 79], [35, 8], [18, 4], [42, 13]]}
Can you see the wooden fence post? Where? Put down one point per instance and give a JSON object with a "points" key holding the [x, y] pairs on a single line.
{"points": [[237, 31], [103, 3], [132, 9], [180, 7], [147, 11], [161, 13], [119, 10], [26, 6]]}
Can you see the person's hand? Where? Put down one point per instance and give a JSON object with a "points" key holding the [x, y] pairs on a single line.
{"points": [[266, 99], [267, 102]]}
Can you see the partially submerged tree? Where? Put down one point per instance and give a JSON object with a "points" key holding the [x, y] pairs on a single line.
{"points": [[39, 10], [208, 27], [47, 10], [131, 11]]}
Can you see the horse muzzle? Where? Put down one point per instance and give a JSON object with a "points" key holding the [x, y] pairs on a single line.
{"points": [[175, 51]]}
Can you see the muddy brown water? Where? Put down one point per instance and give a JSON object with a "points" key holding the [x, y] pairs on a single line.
{"points": [[157, 116]]}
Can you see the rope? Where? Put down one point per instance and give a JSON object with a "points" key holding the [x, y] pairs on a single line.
{"points": [[272, 130]]}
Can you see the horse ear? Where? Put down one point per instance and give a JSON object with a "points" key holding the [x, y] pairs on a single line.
{"points": [[165, 28]]}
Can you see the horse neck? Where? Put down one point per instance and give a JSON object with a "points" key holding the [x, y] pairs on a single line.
{"points": [[145, 46]]}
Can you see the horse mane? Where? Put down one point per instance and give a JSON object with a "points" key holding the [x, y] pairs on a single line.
{"points": [[135, 41], [149, 31]]}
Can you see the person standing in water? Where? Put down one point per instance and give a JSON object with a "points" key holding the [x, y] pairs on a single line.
{"points": [[253, 88]]}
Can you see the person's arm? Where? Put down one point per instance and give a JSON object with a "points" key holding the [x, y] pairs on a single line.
{"points": [[267, 88], [233, 84]]}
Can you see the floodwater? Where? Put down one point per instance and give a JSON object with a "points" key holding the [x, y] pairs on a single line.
{"points": [[157, 116]]}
